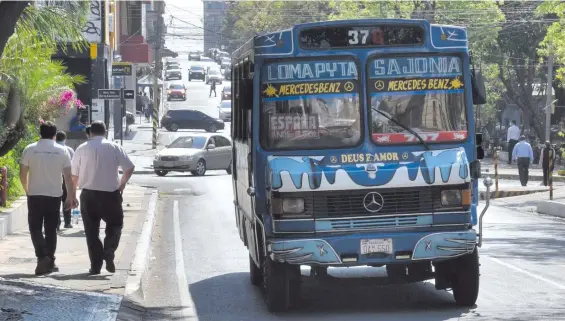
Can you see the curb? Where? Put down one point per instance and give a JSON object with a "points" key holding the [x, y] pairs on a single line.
{"points": [[553, 208], [502, 194], [13, 218], [536, 178], [142, 255]]}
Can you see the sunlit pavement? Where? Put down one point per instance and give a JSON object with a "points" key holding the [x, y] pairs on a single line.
{"points": [[200, 266]]}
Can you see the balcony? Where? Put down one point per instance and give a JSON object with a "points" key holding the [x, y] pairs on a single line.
{"points": [[135, 49]]}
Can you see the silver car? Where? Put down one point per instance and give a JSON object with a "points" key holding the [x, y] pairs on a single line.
{"points": [[224, 110], [195, 154], [213, 75]]}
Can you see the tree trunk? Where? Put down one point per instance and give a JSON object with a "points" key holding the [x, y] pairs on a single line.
{"points": [[10, 12]]}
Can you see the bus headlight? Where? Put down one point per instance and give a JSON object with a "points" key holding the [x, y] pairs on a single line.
{"points": [[293, 205], [451, 198]]}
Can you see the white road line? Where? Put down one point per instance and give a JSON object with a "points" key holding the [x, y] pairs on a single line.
{"points": [[530, 274], [185, 299]]}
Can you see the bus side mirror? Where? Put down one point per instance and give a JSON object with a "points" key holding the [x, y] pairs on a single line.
{"points": [[478, 87], [475, 169], [479, 144]]}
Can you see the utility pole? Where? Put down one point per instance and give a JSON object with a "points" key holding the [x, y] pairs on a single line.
{"points": [[549, 97], [156, 73]]}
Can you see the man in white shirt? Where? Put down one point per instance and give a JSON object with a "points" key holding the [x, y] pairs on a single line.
{"points": [[61, 139], [512, 137], [95, 170], [42, 168]]}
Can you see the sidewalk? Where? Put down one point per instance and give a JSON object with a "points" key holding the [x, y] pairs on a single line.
{"points": [[506, 171], [138, 145], [21, 290]]}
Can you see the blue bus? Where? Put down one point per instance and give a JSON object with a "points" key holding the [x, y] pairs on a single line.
{"points": [[354, 144]]}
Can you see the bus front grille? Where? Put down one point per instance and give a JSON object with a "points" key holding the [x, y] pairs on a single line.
{"points": [[394, 201]]}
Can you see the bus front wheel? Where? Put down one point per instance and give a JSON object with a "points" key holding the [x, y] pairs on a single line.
{"points": [[465, 279], [281, 283]]}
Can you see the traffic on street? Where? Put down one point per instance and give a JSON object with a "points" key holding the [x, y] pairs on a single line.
{"points": [[282, 160]]}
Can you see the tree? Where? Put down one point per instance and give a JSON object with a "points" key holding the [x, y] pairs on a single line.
{"points": [[245, 19], [27, 74]]}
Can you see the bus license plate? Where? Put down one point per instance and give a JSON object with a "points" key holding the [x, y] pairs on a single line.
{"points": [[373, 246]]}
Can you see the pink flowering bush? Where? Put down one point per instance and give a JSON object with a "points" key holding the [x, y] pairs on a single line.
{"points": [[64, 102]]}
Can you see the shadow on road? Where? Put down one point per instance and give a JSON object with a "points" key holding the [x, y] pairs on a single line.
{"points": [[219, 298]]}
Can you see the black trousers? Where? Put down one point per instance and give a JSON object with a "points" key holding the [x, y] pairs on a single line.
{"points": [[66, 213], [96, 206], [523, 169], [546, 179], [212, 90], [511, 145], [43, 213]]}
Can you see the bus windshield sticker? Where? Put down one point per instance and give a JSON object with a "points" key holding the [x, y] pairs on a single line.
{"points": [[293, 126], [425, 93], [310, 104]]}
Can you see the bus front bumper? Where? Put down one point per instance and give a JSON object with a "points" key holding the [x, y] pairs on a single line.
{"points": [[393, 248]]}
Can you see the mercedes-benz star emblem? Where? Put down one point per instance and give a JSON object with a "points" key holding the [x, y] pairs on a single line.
{"points": [[373, 202]]}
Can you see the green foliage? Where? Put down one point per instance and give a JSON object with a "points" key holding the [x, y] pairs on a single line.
{"points": [[12, 159], [245, 19]]}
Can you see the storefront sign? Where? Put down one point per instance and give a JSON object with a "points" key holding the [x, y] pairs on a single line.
{"points": [[121, 69]]}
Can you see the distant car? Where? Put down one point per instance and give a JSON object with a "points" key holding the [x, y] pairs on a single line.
{"points": [[213, 75], [172, 65], [225, 63], [173, 74], [224, 110], [196, 72], [195, 154], [193, 56], [227, 73], [177, 119], [226, 92], [177, 91]]}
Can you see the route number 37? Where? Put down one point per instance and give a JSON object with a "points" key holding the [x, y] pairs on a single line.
{"points": [[356, 37]]}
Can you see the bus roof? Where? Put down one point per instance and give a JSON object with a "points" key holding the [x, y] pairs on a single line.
{"points": [[282, 43]]}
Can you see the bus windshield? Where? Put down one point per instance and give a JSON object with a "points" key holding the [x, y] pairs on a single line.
{"points": [[425, 94], [310, 104]]}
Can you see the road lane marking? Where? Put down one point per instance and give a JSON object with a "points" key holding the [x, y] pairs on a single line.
{"points": [[185, 300], [530, 274]]}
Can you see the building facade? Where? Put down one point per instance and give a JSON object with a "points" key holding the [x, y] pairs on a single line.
{"points": [[214, 13]]}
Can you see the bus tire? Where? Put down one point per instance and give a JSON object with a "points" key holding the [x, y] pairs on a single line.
{"points": [[281, 283], [465, 282], [255, 275]]}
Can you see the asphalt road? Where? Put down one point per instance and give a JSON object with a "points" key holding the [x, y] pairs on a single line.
{"points": [[199, 269]]}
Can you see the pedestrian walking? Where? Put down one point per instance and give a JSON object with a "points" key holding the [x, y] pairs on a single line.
{"points": [[42, 167], [95, 170], [523, 155], [547, 154], [151, 93], [512, 137], [87, 132], [61, 139], [213, 88]]}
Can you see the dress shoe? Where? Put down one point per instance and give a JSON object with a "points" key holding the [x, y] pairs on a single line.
{"points": [[94, 271], [110, 266], [43, 266]]}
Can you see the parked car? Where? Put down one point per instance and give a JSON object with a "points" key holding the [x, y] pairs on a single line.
{"points": [[177, 119], [226, 91], [173, 74], [193, 56], [224, 110], [177, 91], [227, 73], [195, 154], [196, 72], [170, 65], [213, 75]]}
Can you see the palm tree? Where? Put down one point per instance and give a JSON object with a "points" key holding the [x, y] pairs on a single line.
{"points": [[28, 76]]}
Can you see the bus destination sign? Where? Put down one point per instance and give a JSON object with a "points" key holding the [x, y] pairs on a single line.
{"points": [[361, 36]]}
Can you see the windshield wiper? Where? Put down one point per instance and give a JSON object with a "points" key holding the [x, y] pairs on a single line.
{"points": [[408, 129]]}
